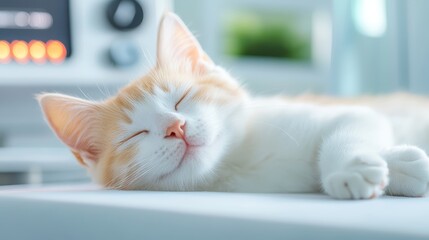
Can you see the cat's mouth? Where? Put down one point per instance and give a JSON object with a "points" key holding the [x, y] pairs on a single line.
{"points": [[189, 151]]}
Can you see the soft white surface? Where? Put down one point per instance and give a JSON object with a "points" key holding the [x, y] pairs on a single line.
{"points": [[183, 215]]}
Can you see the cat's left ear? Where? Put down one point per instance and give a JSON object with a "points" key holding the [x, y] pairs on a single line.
{"points": [[75, 121], [176, 44]]}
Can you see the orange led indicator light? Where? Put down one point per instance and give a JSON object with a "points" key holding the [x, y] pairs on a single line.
{"points": [[4, 52], [20, 51], [37, 51], [56, 51]]}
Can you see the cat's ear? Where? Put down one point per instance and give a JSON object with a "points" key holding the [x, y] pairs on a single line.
{"points": [[75, 122], [176, 44]]}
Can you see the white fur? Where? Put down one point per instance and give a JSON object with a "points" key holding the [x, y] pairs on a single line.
{"points": [[277, 146], [159, 162], [409, 168]]}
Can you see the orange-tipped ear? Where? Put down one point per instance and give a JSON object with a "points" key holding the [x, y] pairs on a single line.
{"points": [[75, 121], [176, 44]]}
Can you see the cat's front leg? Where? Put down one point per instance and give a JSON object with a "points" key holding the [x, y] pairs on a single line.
{"points": [[349, 160]]}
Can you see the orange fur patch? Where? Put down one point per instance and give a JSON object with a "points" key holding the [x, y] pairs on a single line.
{"points": [[379, 102]]}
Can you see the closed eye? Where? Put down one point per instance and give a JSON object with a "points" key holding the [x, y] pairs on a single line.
{"points": [[135, 135], [181, 99]]}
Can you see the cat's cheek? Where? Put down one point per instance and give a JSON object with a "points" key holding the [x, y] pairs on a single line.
{"points": [[210, 156], [206, 132]]}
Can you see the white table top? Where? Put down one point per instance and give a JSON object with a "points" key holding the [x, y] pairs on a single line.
{"points": [[83, 212]]}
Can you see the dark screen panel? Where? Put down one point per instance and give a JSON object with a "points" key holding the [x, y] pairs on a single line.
{"points": [[47, 20]]}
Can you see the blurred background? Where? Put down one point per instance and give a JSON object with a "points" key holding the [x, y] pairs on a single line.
{"points": [[92, 48]]}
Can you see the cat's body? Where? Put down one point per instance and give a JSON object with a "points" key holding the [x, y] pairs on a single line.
{"points": [[407, 113], [281, 153], [188, 125]]}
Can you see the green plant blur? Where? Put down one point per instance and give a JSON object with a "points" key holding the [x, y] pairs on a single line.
{"points": [[254, 34]]}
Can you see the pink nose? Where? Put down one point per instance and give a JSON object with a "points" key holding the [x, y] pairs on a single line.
{"points": [[176, 130]]}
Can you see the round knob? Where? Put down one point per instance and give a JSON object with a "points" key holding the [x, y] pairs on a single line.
{"points": [[125, 14], [124, 53]]}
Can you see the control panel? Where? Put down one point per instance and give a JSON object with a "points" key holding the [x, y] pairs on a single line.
{"points": [[77, 42]]}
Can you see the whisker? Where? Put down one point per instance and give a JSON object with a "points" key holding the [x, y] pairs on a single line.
{"points": [[125, 171], [284, 131], [85, 95]]}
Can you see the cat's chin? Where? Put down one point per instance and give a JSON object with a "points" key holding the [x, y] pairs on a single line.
{"points": [[188, 164], [194, 166]]}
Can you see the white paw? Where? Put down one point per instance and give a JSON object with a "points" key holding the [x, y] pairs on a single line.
{"points": [[363, 178], [409, 171]]}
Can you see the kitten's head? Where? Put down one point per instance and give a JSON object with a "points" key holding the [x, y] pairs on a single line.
{"points": [[166, 131]]}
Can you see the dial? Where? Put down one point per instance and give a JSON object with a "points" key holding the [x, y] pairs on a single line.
{"points": [[125, 14], [124, 53]]}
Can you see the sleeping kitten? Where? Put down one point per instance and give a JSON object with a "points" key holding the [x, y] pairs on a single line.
{"points": [[188, 125]]}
